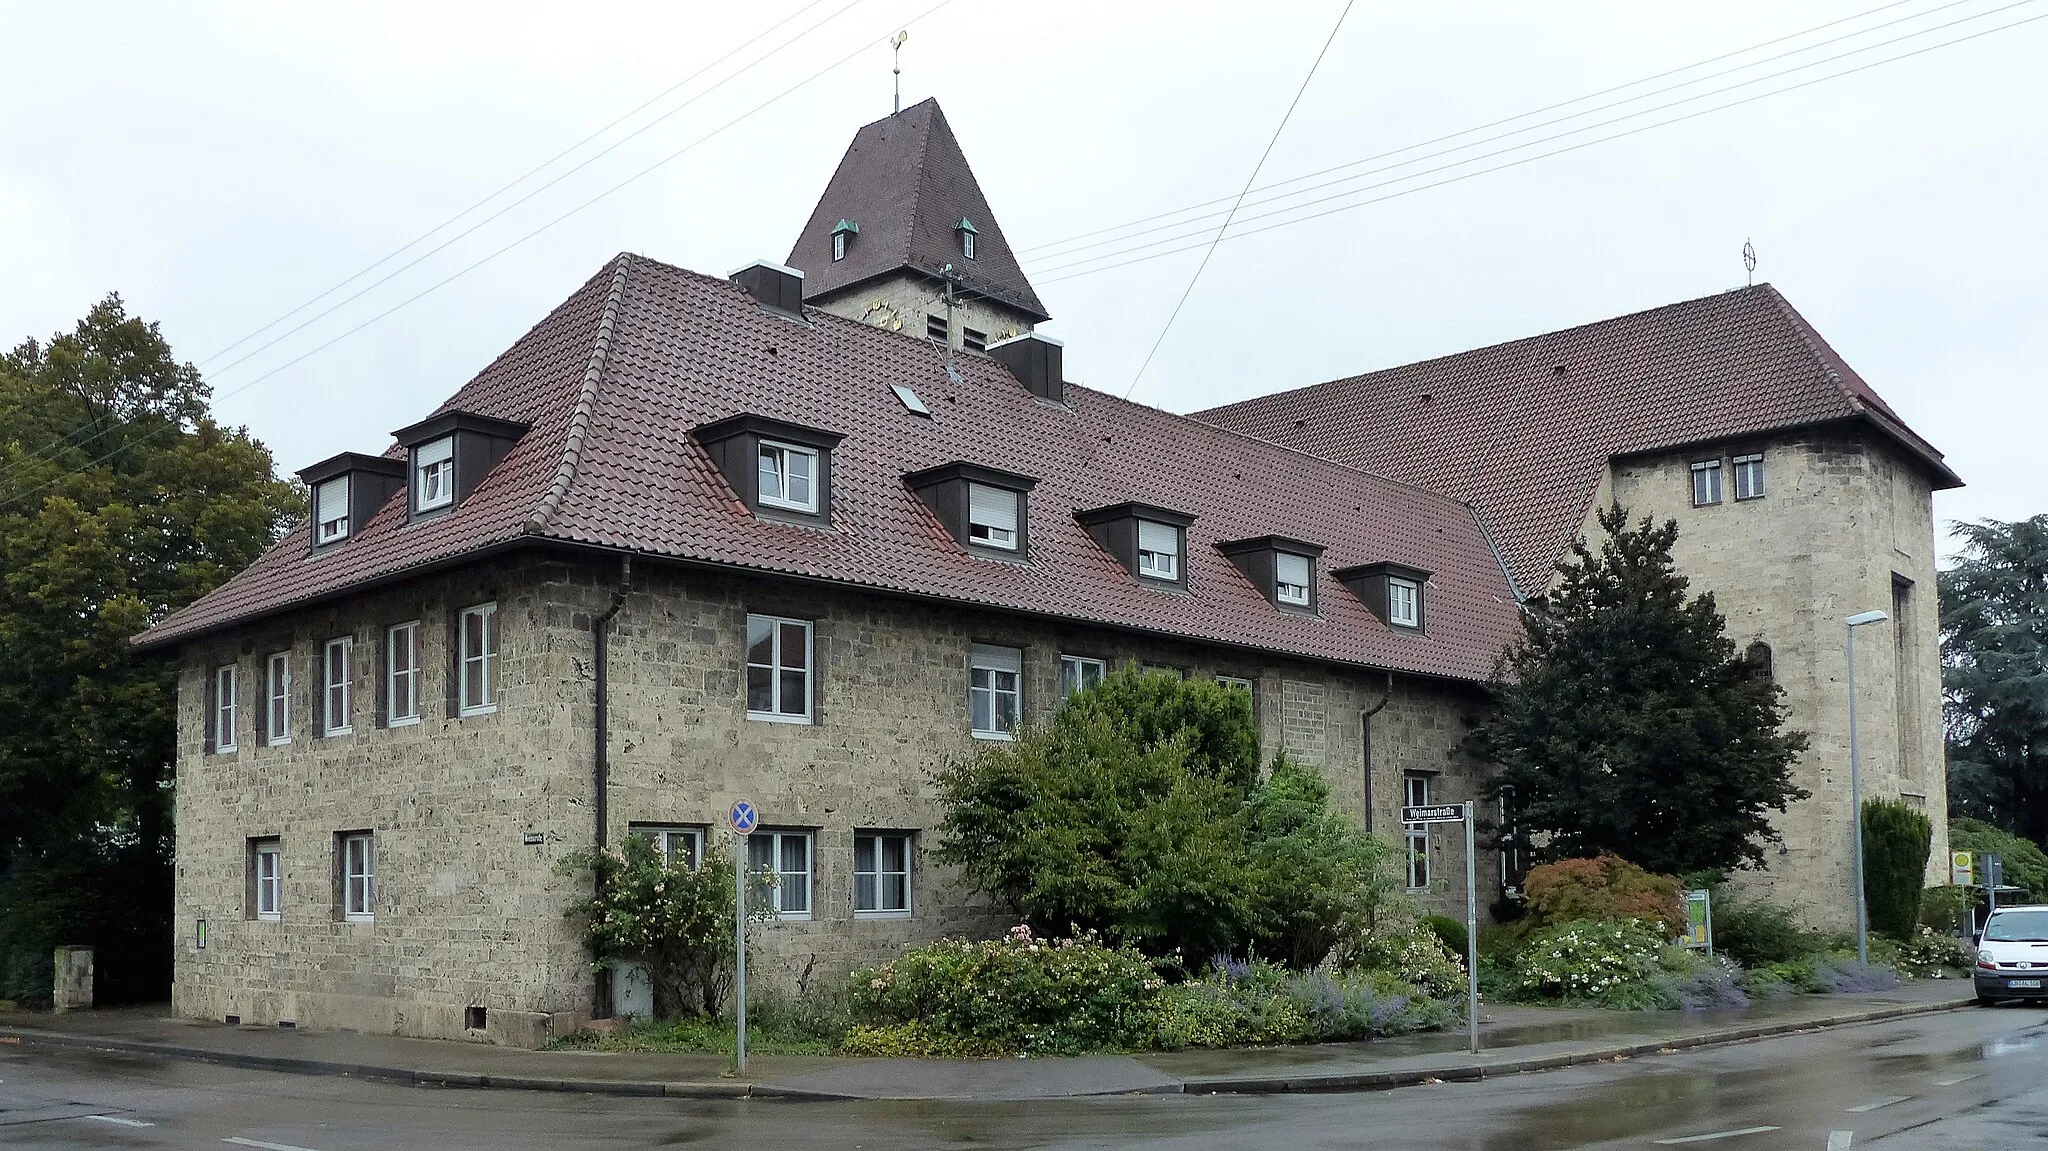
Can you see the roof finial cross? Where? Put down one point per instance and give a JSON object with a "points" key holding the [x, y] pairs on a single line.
{"points": [[1749, 261], [896, 51]]}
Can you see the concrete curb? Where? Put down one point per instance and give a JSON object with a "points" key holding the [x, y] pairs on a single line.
{"points": [[1199, 1085]]}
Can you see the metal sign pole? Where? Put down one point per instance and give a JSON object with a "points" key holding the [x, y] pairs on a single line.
{"points": [[739, 934], [1471, 932]]}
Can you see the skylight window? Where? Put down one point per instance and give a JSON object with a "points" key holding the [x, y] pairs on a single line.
{"points": [[433, 470], [910, 400], [1290, 579], [1158, 550], [330, 511], [992, 516], [789, 477]]}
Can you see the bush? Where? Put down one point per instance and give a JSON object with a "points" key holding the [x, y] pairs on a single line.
{"points": [[1017, 993], [1757, 933], [1607, 888], [1585, 959], [2025, 864], [1932, 954], [1451, 932], [1942, 908], [914, 1040], [1895, 844], [675, 919], [1416, 957], [1237, 1004]]}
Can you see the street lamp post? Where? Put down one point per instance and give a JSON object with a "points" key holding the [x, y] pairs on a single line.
{"points": [[1856, 780]]}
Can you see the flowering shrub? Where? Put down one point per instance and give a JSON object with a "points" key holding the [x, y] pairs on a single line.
{"points": [[1605, 888], [1585, 959], [1931, 954], [1235, 1004], [913, 1040], [1017, 993], [1416, 956]]}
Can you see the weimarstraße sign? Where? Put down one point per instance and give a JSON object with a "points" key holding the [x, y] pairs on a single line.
{"points": [[1441, 813]]}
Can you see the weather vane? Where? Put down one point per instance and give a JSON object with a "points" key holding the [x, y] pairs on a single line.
{"points": [[1749, 261], [896, 50]]}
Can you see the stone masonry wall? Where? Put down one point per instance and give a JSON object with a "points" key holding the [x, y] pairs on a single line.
{"points": [[902, 302], [1844, 520], [472, 813]]}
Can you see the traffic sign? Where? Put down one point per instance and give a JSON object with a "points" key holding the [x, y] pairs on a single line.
{"points": [[743, 818], [1440, 813], [1960, 871]]}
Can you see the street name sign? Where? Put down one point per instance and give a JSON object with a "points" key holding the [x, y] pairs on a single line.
{"points": [[1441, 813]]}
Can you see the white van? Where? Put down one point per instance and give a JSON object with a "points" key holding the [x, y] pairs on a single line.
{"points": [[2012, 955]]}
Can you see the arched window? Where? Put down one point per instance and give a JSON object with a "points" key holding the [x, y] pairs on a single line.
{"points": [[1759, 656]]}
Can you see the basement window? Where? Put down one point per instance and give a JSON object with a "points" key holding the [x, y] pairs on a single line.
{"points": [[1158, 550]]}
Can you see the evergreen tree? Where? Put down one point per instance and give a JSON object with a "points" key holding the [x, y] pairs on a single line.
{"points": [[1994, 675], [1627, 723], [120, 501]]}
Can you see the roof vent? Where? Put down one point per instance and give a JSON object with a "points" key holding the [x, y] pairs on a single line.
{"points": [[773, 286], [1038, 361]]}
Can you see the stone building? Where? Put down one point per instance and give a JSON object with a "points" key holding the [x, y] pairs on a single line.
{"points": [[804, 533]]}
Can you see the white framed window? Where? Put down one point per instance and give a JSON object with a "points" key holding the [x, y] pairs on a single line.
{"points": [[1404, 602], [1290, 578], [1706, 483], [330, 511], [278, 698], [1749, 477], [786, 857], [967, 243], [433, 474], [479, 629], [789, 477], [338, 692], [881, 875], [358, 876], [838, 246], [402, 675], [1415, 793], [994, 696], [1236, 682], [992, 516], [1158, 550], [678, 845], [778, 669], [226, 685], [1079, 673], [266, 878]]}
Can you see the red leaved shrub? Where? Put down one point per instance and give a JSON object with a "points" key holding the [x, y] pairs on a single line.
{"points": [[1605, 888]]}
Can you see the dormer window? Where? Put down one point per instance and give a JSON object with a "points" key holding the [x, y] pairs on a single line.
{"points": [[1282, 569], [838, 246], [982, 507], [780, 470], [433, 474], [789, 477], [1396, 593], [1404, 602], [330, 511], [967, 234], [1158, 550], [842, 235]]}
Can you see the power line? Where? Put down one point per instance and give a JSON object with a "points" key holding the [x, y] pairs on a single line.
{"points": [[1275, 139]]}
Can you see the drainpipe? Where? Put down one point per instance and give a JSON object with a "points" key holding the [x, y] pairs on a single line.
{"points": [[600, 642], [1365, 743]]}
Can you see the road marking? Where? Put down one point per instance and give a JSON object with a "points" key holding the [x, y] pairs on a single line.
{"points": [[118, 1119], [1880, 1101], [1715, 1135], [1953, 1080], [1840, 1140], [238, 1141]]}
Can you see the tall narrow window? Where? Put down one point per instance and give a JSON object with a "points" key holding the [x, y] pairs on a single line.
{"points": [[1079, 673], [1415, 793], [479, 628], [226, 684], [1158, 550], [337, 691], [266, 878], [778, 669], [1404, 603], [1749, 477], [1290, 578], [967, 243], [278, 699], [358, 876], [992, 516], [789, 477], [1706, 483], [402, 675], [1906, 679], [993, 694], [838, 246], [881, 875], [330, 510], [785, 857], [433, 474]]}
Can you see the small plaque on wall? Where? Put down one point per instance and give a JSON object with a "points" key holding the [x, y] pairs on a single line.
{"points": [[534, 838]]}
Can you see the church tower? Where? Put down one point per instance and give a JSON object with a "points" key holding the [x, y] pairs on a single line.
{"points": [[904, 239]]}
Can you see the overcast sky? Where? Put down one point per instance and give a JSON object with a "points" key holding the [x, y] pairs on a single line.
{"points": [[221, 164]]}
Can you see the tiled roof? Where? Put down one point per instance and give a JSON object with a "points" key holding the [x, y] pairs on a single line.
{"points": [[613, 381], [906, 183], [1524, 430]]}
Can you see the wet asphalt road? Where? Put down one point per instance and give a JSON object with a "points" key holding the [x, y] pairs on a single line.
{"points": [[1975, 1079]]}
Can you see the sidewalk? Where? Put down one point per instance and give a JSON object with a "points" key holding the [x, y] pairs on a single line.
{"points": [[1513, 1040]]}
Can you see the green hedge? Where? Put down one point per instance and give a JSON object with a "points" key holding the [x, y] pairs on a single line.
{"points": [[1896, 839]]}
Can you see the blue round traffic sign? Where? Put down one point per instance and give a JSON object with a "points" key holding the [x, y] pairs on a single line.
{"points": [[743, 817]]}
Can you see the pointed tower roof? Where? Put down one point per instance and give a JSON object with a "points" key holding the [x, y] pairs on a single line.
{"points": [[905, 186]]}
